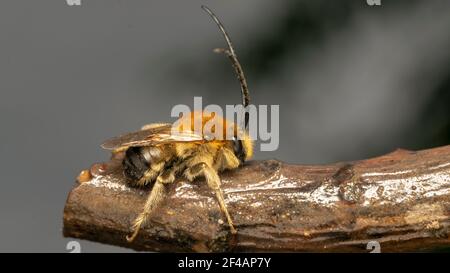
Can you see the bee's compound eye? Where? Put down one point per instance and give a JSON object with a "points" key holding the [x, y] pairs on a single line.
{"points": [[134, 164], [239, 149]]}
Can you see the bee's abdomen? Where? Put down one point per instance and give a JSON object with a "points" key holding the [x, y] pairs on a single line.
{"points": [[134, 163]]}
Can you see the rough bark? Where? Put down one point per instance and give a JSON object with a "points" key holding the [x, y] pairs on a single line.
{"points": [[401, 200]]}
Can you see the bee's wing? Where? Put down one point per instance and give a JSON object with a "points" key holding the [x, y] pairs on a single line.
{"points": [[149, 137]]}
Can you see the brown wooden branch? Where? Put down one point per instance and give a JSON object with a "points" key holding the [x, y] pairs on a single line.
{"points": [[401, 200]]}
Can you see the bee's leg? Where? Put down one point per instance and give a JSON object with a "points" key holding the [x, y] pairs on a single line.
{"points": [[153, 125], [150, 175], [155, 198], [213, 181], [226, 160]]}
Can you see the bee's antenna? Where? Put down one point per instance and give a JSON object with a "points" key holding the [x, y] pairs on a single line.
{"points": [[235, 62]]}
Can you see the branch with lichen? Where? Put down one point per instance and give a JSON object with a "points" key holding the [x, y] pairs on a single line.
{"points": [[401, 200]]}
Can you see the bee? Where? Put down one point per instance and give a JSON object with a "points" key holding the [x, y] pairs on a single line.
{"points": [[155, 155]]}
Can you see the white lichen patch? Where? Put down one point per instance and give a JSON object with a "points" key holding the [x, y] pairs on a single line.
{"points": [[257, 204], [185, 190], [386, 173], [400, 190], [326, 195], [440, 166], [100, 181], [374, 188]]}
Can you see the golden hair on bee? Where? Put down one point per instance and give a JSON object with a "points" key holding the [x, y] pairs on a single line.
{"points": [[214, 129]]}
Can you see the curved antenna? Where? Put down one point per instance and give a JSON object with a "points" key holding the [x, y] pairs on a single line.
{"points": [[235, 62]]}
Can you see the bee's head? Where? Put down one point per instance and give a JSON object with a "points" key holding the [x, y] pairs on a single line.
{"points": [[134, 164]]}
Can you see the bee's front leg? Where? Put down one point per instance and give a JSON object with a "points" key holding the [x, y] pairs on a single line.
{"points": [[213, 181], [149, 176], [153, 201], [226, 160]]}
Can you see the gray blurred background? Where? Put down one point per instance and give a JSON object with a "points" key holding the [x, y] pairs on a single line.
{"points": [[352, 81]]}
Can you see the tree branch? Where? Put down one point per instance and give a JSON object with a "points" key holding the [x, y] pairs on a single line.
{"points": [[401, 200]]}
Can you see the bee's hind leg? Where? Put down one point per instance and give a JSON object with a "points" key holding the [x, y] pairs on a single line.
{"points": [[213, 181], [153, 201]]}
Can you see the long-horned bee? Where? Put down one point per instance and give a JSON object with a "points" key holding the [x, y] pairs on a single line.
{"points": [[156, 154]]}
